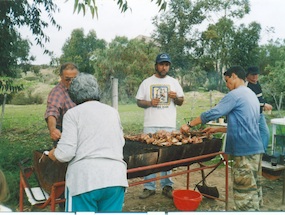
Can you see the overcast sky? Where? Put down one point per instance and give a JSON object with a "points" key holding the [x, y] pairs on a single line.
{"points": [[138, 21]]}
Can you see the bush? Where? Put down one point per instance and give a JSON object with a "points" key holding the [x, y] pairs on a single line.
{"points": [[31, 78], [22, 99], [8, 98]]}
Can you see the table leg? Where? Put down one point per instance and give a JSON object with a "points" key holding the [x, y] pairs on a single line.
{"points": [[224, 139], [273, 134], [188, 178], [226, 158], [283, 194]]}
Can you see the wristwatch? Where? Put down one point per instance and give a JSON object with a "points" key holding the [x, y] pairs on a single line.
{"points": [[188, 123]]}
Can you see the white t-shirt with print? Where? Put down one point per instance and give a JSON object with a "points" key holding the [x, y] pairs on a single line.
{"points": [[164, 115]]}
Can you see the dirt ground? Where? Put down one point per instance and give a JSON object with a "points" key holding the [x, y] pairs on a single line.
{"points": [[272, 194]]}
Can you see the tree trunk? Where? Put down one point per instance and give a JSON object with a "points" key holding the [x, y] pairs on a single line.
{"points": [[278, 104]]}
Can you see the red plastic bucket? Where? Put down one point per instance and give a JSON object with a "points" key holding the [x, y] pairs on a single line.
{"points": [[186, 200]]}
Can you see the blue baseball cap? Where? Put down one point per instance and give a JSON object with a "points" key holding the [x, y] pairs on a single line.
{"points": [[163, 58]]}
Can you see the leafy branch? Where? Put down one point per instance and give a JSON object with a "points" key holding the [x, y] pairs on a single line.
{"points": [[81, 5], [8, 85]]}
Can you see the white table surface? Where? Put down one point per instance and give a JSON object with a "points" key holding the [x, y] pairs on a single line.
{"points": [[267, 165], [224, 136], [213, 123], [278, 121]]}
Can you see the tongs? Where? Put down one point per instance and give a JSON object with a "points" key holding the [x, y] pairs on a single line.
{"points": [[200, 134], [196, 133]]}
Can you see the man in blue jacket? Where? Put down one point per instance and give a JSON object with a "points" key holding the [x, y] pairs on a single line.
{"points": [[243, 142]]}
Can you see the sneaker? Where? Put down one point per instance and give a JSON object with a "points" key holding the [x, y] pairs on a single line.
{"points": [[167, 191], [146, 193]]}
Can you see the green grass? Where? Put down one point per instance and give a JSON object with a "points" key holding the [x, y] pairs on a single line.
{"points": [[24, 130]]}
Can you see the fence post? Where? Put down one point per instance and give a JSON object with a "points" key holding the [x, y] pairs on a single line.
{"points": [[114, 93], [2, 114], [211, 99]]}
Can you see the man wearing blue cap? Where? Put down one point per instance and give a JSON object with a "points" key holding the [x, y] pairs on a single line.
{"points": [[159, 95]]}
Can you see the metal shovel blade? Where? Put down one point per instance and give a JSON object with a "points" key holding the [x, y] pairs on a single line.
{"points": [[204, 189], [211, 191]]}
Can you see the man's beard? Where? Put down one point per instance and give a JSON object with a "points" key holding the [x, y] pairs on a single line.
{"points": [[160, 74]]}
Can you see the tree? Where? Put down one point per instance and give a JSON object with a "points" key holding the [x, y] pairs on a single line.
{"points": [[226, 8], [14, 51], [219, 40], [245, 48], [273, 84], [130, 61], [224, 45], [14, 14], [269, 54], [177, 31], [79, 49], [176, 34], [216, 46]]}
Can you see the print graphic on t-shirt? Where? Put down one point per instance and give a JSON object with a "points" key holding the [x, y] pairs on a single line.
{"points": [[161, 92]]}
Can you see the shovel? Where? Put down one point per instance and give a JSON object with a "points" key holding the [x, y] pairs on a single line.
{"points": [[204, 188]]}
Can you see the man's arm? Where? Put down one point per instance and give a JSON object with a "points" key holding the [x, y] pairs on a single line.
{"points": [[267, 107], [197, 121], [179, 101], [212, 130], [186, 127], [51, 155], [55, 134], [147, 104]]}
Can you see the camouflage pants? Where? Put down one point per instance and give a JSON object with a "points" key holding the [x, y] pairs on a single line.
{"points": [[246, 175]]}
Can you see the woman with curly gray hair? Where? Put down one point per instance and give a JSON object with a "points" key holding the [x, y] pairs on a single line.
{"points": [[92, 142]]}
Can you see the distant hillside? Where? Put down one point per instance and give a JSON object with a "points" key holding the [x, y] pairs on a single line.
{"points": [[36, 87], [49, 80]]}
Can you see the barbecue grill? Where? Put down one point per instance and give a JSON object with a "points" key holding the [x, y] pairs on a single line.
{"points": [[142, 159], [138, 154]]}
